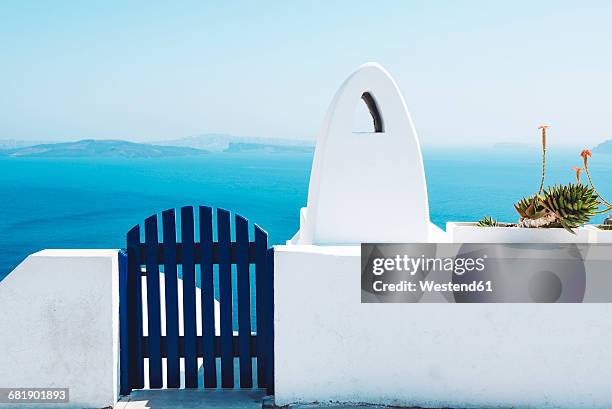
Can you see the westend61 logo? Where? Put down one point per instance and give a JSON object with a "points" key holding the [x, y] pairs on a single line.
{"points": [[411, 265], [486, 273], [419, 267]]}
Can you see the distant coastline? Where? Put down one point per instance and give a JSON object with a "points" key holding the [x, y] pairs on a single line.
{"points": [[604, 147], [229, 143], [191, 146], [204, 144], [509, 146], [100, 148], [242, 147]]}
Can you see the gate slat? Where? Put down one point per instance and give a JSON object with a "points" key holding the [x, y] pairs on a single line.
{"points": [[244, 302], [207, 294], [153, 304], [124, 354], [269, 319], [171, 292], [261, 246], [134, 310], [189, 292], [225, 295]]}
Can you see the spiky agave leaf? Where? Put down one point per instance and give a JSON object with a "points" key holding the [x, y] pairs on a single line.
{"points": [[568, 206], [574, 204], [531, 207], [488, 221]]}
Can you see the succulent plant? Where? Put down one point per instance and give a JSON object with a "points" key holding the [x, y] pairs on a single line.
{"points": [[567, 206], [488, 222]]}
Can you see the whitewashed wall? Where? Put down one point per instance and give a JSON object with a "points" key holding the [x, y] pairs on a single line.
{"points": [[59, 313], [330, 347]]}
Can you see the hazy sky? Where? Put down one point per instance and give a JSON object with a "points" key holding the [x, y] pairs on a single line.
{"points": [[470, 71]]}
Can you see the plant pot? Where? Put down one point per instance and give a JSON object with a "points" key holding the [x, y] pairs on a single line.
{"points": [[470, 232], [534, 272], [561, 272], [600, 233]]}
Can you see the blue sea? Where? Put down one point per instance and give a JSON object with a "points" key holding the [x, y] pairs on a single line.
{"points": [[93, 202]]}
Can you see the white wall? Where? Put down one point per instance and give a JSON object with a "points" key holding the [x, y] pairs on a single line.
{"points": [[59, 312], [330, 347]]}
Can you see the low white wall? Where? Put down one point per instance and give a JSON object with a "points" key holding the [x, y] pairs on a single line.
{"points": [[59, 325], [330, 347]]}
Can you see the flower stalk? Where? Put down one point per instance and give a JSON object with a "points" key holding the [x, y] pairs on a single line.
{"points": [[543, 128], [586, 154]]}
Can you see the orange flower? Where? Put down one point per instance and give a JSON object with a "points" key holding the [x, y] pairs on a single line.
{"points": [[578, 170], [586, 154]]}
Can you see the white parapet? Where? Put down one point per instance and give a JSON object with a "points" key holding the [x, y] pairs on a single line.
{"points": [[329, 347], [59, 325]]}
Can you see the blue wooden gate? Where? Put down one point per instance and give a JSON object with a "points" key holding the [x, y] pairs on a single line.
{"points": [[220, 265]]}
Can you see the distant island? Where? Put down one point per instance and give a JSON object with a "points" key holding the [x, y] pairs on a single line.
{"points": [[223, 142], [604, 147], [238, 147], [100, 148], [6, 144], [512, 146], [190, 146]]}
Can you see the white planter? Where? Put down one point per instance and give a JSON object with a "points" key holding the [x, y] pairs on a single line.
{"points": [[469, 232], [598, 235]]}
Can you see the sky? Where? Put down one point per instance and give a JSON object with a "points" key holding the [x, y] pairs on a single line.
{"points": [[471, 72]]}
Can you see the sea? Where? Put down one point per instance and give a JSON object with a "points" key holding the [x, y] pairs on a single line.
{"points": [[92, 202]]}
